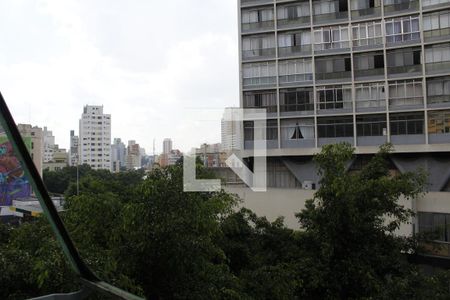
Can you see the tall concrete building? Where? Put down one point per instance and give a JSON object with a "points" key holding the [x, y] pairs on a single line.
{"points": [[37, 143], [167, 146], [95, 138], [74, 149], [133, 158], [49, 145], [118, 155], [231, 129], [364, 72]]}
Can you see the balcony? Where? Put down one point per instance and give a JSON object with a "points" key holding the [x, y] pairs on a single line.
{"points": [[270, 144], [248, 55], [338, 76], [330, 17], [259, 82], [366, 13], [432, 4], [299, 143], [370, 105], [332, 47], [332, 130], [401, 6], [404, 71], [295, 79], [438, 101], [407, 128], [413, 102], [294, 22], [442, 67], [334, 107], [245, 3], [369, 74], [294, 50], [297, 109], [436, 35], [257, 26], [368, 43]]}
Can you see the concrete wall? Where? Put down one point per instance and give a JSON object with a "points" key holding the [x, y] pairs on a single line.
{"points": [[287, 202]]}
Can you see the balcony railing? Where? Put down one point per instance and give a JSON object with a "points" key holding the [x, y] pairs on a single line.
{"points": [[255, 2], [436, 34], [434, 3], [366, 12], [331, 45], [283, 23], [370, 104], [293, 50], [324, 18], [269, 108], [368, 42], [404, 69], [256, 53], [334, 105], [334, 75], [370, 72], [401, 6], [257, 25], [295, 78], [297, 107], [259, 81], [409, 101], [403, 38], [436, 67], [438, 99]]}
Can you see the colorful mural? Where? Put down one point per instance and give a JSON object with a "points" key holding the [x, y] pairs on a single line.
{"points": [[13, 183]]}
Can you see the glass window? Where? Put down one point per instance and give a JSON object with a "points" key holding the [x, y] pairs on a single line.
{"points": [[331, 38], [371, 125], [405, 92], [335, 127], [261, 99], [370, 95], [295, 70], [402, 29], [300, 99], [439, 122], [407, 123], [334, 97], [436, 224]]}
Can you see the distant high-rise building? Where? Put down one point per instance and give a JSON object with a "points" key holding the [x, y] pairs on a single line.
{"points": [[49, 145], [37, 143], [95, 138], [74, 149], [59, 160], [133, 159], [167, 146], [231, 129], [118, 155]]}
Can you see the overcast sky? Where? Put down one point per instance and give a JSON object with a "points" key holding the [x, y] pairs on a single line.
{"points": [[150, 63]]}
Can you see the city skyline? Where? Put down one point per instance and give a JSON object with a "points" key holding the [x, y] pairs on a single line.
{"points": [[87, 63]]}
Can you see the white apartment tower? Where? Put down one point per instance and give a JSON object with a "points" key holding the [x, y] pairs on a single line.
{"points": [[73, 152], [231, 127], [49, 145], [95, 138], [167, 146]]}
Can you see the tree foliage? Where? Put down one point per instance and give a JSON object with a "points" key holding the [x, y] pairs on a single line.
{"points": [[144, 234]]}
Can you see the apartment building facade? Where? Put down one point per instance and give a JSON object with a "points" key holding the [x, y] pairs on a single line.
{"points": [[95, 138], [364, 72], [74, 149]]}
